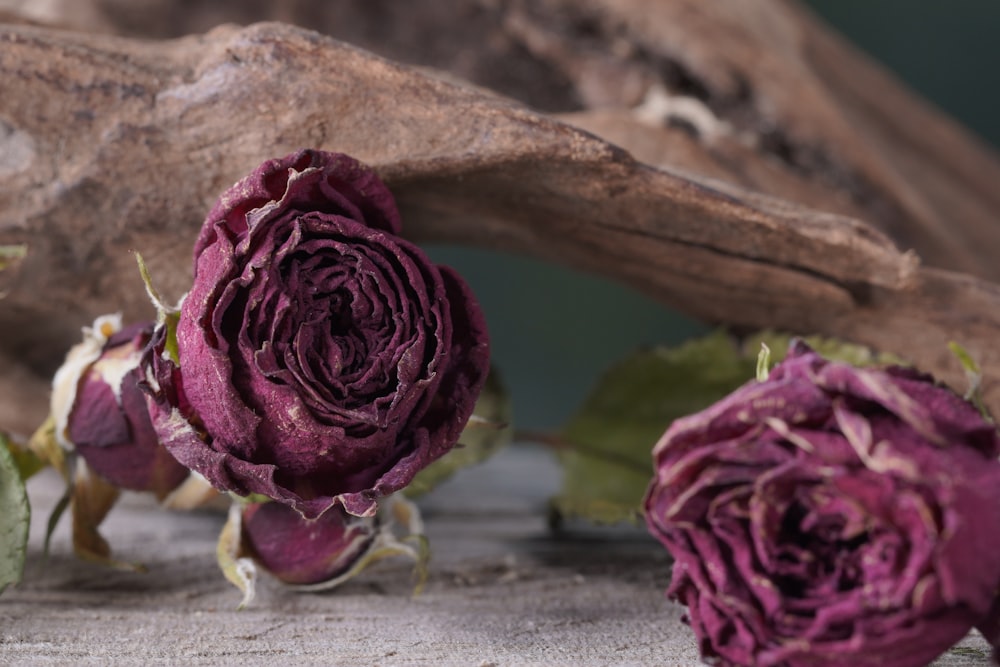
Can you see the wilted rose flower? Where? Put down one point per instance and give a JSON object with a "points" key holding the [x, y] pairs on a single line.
{"points": [[303, 551], [100, 410], [322, 358], [830, 516]]}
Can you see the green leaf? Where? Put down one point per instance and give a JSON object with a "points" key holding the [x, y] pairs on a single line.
{"points": [[486, 433], [831, 348], [606, 447], [28, 462], [15, 517]]}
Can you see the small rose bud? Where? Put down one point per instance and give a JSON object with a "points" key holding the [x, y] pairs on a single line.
{"points": [[321, 553], [305, 551], [101, 413]]}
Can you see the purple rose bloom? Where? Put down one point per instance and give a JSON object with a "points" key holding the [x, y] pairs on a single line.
{"points": [[323, 359], [102, 414], [305, 551], [830, 515]]}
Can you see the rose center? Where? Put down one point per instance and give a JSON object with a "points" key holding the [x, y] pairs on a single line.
{"points": [[338, 330], [818, 549], [336, 311]]}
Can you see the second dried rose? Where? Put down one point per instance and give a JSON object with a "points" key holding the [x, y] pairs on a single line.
{"points": [[830, 515]]}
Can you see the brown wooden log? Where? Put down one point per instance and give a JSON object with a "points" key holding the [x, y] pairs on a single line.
{"points": [[757, 93], [109, 145]]}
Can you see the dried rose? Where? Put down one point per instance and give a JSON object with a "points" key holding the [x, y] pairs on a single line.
{"points": [[303, 551], [323, 359], [830, 515], [100, 411], [316, 554]]}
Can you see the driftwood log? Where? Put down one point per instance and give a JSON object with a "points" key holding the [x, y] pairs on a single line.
{"points": [[784, 181]]}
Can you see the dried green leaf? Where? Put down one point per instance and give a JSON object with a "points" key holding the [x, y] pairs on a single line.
{"points": [[831, 348], [15, 518], [486, 433], [606, 457], [605, 448], [43, 444], [27, 462]]}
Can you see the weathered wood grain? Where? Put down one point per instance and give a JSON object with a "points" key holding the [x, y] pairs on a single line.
{"points": [[109, 145], [502, 591]]}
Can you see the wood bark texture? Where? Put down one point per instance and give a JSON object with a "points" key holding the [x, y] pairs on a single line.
{"points": [[777, 179]]}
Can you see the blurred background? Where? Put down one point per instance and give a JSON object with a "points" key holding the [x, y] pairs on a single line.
{"points": [[555, 330]]}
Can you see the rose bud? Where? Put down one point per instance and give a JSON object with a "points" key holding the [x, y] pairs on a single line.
{"points": [[100, 411], [316, 554], [305, 551], [830, 515], [322, 358]]}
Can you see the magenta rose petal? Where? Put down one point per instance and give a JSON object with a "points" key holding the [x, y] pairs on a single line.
{"points": [[831, 515], [323, 360]]}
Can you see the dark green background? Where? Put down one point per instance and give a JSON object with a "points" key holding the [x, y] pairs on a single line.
{"points": [[555, 330]]}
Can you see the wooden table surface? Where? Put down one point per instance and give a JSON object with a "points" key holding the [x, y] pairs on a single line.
{"points": [[503, 590]]}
